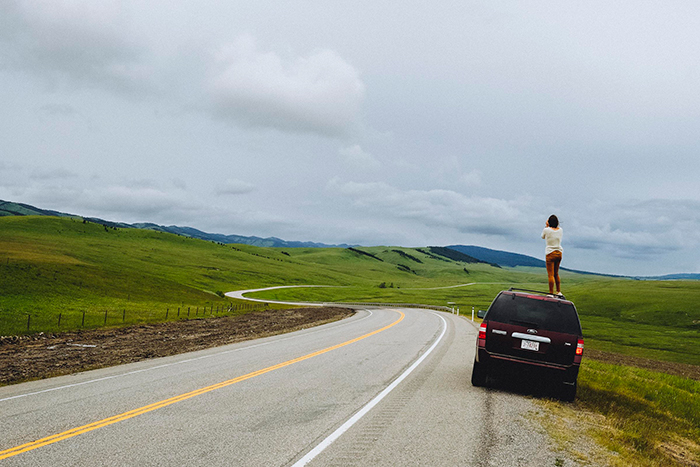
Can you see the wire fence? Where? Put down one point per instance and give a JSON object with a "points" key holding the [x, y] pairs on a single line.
{"points": [[71, 320], [77, 319]]}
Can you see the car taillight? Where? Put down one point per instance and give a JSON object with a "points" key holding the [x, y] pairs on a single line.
{"points": [[482, 335], [579, 351]]}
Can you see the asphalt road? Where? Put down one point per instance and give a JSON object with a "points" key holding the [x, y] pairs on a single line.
{"points": [[384, 387]]}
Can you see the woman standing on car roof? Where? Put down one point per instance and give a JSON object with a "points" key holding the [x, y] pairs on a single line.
{"points": [[552, 235]]}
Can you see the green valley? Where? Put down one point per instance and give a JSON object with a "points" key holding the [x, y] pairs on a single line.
{"points": [[52, 265]]}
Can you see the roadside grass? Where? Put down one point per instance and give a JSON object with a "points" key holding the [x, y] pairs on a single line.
{"points": [[647, 319], [666, 303], [650, 319], [668, 343], [642, 417]]}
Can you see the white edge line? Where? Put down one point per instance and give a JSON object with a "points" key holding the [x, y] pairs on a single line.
{"points": [[129, 373], [363, 411]]}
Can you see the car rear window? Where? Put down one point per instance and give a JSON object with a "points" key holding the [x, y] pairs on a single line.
{"points": [[555, 316]]}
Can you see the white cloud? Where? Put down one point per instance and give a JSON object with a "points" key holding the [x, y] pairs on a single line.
{"points": [[234, 187], [319, 93], [356, 156]]}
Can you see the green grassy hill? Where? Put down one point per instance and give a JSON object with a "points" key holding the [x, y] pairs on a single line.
{"points": [[51, 265]]}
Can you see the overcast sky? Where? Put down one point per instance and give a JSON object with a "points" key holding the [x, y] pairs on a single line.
{"points": [[457, 122]]}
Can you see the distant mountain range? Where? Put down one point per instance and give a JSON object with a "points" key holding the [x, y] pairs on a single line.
{"points": [[474, 253], [512, 260], [670, 277], [505, 258], [8, 208]]}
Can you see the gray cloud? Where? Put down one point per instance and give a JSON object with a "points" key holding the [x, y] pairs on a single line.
{"points": [[12, 176], [436, 208], [233, 187], [144, 202], [179, 183], [59, 109], [642, 230], [73, 44], [48, 174]]}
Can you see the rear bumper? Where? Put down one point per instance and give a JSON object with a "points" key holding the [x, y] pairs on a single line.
{"points": [[501, 363]]}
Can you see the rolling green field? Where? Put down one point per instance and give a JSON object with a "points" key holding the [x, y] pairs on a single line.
{"points": [[57, 265], [62, 266], [651, 319], [52, 265]]}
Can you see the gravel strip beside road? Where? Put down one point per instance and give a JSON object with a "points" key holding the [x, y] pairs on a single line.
{"points": [[24, 358]]}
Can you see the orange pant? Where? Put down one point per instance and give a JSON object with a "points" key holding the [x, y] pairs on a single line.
{"points": [[553, 260]]}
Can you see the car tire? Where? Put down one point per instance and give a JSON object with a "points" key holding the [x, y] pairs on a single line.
{"points": [[479, 374], [568, 392]]}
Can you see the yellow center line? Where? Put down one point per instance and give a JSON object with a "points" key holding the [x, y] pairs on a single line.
{"points": [[166, 402]]}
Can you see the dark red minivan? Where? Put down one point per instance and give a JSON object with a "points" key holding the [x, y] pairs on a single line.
{"points": [[530, 334]]}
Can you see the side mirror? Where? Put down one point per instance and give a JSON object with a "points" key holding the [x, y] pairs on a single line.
{"points": [[480, 314]]}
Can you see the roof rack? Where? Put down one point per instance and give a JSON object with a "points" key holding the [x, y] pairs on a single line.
{"points": [[512, 289]]}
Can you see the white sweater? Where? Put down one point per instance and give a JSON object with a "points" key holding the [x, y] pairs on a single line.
{"points": [[553, 239]]}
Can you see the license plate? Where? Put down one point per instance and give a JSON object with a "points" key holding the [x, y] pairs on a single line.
{"points": [[530, 345]]}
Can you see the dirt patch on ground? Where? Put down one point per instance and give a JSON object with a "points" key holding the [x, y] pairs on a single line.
{"points": [[678, 369], [39, 356]]}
